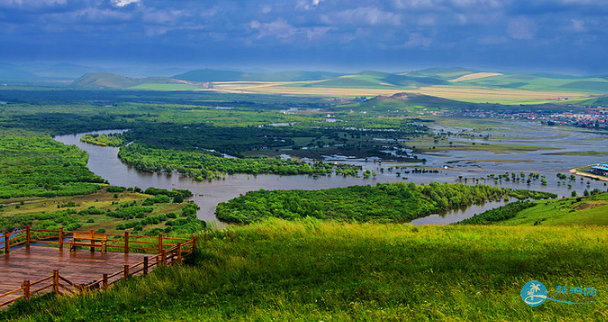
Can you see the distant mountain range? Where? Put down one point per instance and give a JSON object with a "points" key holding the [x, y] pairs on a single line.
{"points": [[41, 72], [177, 79], [214, 75], [109, 80]]}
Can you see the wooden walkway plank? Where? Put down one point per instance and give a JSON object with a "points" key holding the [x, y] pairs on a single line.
{"points": [[80, 266]]}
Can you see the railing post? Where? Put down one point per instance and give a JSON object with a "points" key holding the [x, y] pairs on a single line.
{"points": [[56, 282], [193, 244], [146, 265], [7, 243], [26, 289], [61, 238], [126, 271], [93, 242], [126, 242], [104, 281], [160, 243], [179, 253], [163, 258], [27, 236]]}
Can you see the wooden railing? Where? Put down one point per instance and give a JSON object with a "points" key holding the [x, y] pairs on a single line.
{"points": [[178, 249], [124, 242]]}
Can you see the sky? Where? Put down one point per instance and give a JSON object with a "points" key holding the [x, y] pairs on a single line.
{"points": [[393, 35]]}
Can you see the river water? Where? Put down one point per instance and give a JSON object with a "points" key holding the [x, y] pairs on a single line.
{"points": [[104, 162]]}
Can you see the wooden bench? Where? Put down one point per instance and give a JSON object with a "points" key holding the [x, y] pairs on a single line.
{"points": [[89, 239]]}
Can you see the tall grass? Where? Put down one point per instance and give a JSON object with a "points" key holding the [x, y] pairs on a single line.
{"points": [[325, 271]]}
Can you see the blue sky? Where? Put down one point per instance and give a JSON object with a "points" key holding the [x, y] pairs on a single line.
{"points": [[536, 35]]}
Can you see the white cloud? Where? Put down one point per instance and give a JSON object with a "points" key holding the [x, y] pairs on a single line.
{"points": [[308, 4], [363, 15], [521, 28], [210, 12], [266, 9], [279, 29], [33, 3], [99, 15], [316, 32], [578, 25], [282, 30], [163, 17], [427, 21], [123, 3], [418, 40], [439, 5], [493, 40]]}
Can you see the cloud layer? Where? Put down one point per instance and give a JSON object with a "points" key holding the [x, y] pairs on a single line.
{"points": [[391, 34]]}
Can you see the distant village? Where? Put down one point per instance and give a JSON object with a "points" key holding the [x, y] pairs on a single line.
{"points": [[592, 118]]}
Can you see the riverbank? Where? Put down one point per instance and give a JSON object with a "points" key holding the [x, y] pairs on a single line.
{"points": [[579, 172]]}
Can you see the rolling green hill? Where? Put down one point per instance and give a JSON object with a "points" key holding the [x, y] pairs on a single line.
{"points": [[367, 79], [412, 102], [543, 82], [463, 78], [109, 80], [441, 73]]}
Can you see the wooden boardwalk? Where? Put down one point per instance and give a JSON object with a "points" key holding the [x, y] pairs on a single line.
{"points": [[80, 266]]}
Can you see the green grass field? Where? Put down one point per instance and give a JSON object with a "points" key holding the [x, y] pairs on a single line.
{"points": [[315, 271], [591, 210]]}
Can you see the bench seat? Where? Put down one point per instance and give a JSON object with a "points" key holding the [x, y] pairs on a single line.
{"points": [[89, 239]]}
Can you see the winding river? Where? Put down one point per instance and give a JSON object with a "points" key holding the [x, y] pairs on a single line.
{"points": [[104, 162]]}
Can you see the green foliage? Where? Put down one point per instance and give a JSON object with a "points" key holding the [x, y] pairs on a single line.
{"points": [[502, 213], [386, 202], [102, 140], [129, 212], [115, 189], [184, 193], [202, 166], [187, 223], [315, 271], [51, 221], [157, 199], [34, 165]]}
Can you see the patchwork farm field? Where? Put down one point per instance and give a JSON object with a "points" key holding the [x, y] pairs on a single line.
{"points": [[474, 94]]}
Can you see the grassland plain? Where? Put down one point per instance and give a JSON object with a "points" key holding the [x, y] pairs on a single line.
{"points": [[326, 271]]}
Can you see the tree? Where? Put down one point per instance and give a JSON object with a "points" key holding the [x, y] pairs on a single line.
{"points": [[178, 199]]}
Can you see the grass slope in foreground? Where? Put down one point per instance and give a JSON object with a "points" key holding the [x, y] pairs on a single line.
{"points": [[320, 271], [588, 210], [385, 202]]}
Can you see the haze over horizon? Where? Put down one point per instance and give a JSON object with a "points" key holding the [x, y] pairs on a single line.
{"points": [[561, 36]]}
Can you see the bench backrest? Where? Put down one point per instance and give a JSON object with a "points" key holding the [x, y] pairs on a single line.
{"points": [[91, 236]]}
